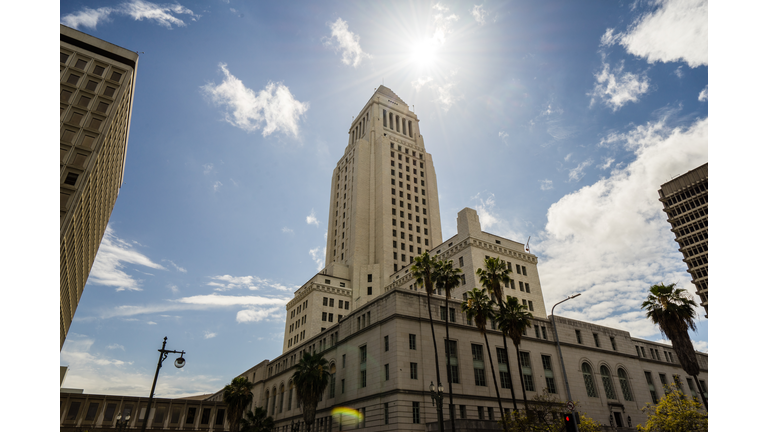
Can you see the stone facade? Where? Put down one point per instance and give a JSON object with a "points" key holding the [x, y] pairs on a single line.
{"points": [[97, 81], [685, 200]]}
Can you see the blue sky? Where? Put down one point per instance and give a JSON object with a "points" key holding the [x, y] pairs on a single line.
{"points": [[555, 120]]}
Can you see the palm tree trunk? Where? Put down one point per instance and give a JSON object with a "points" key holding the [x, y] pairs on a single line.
{"points": [[437, 362], [509, 371], [448, 365], [495, 383], [701, 392], [522, 383]]}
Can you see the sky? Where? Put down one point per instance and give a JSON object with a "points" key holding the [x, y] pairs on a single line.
{"points": [[555, 120]]}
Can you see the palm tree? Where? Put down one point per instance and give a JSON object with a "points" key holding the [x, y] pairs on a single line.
{"points": [[480, 308], [447, 278], [494, 274], [237, 396], [672, 310], [424, 270], [310, 379], [513, 319], [257, 421]]}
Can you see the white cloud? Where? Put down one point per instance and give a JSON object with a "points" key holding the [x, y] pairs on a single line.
{"points": [[174, 289], [207, 168], [137, 9], [491, 220], [503, 135], [274, 109], [256, 315], [116, 346], [227, 282], [312, 219], [675, 31], [611, 241], [151, 323], [607, 163], [178, 268], [216, 185], [346, 41], [609, 38], [702, 346], [443, 23], [287, 230], [209, 335], [578, 173], [546, 184], [479, 13], [318, 257], [615, 88], [421, 82], [234, 183], [679, 72], [568, 157], [220, 300], [114, 253], [704, 94]]}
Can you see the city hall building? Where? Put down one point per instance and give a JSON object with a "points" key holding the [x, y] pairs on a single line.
{"points": [[369, 318]]}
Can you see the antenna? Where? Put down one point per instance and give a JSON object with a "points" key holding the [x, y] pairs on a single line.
{"points": [[527, 245]]}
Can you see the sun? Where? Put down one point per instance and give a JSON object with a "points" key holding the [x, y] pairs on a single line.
{"points": [[423, 53]]}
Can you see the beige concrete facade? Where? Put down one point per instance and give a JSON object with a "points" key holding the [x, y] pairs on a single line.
{"points": [[685, 200], [97, 82]]}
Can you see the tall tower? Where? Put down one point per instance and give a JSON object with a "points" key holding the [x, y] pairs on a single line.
{"points": [[685, 200], [97, 80], [384, 209]]}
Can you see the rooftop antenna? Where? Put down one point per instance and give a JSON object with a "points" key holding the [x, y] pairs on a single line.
{"points": [[527, 245]]}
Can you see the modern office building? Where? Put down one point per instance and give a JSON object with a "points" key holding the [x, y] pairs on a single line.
{"points": [[97, 81], [370, 319], [685, 200]]}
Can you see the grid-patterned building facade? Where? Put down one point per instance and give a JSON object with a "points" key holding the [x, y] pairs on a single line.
{"points": [[97, 82], [685, 200]]}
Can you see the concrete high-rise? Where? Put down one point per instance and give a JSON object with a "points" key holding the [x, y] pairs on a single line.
{"points": [[97, 81], [685, 200]]}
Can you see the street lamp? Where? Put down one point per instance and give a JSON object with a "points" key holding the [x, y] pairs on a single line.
{"points": [[559, 351], [121, 425], [179, 363], [437, 396]]}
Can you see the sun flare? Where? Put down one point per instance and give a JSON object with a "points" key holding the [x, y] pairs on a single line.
{"points": [[423, 53]]}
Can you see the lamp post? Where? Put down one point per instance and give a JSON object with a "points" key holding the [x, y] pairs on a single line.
{"points": [[559, 351], [437, 396], [121, 425], [179, 363]]}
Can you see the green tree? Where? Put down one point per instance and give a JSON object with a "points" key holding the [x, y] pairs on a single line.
{"points": [[492, 277], [257, 421], [513, 319], [310, 379], [479, 307], [424, 269], [545, 415], [237, 396], [674, 413], [448, 277], [672, 309]]}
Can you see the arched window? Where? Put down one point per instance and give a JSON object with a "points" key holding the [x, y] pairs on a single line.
{"points": [[385, 118], [605, 374], [589, 381], [332, 381], [282, 399], [274, 401], [624, 383], [266, 401]]}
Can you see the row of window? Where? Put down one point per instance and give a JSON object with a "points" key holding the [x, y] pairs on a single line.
{"points": [[654, 354], [686, 194], [343, 304], [395, 122], [596, 338], [687, 206], [689, 217]]}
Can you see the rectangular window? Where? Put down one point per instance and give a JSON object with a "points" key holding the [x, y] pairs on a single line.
{"points": [[522, 287], [692, 388], [663, 379], [643, 351], [325, 316], [412, 341], [525, 362], [363, 361], [386, 372], [342, 386], [442, 312], [478, 364], [416, 415], [480, 413], [325, 301], [651, 387], [461, 261], [331, 389], [597, 340], [544, 332], [386, 413], [549, 376], [330, 302], [451, 351], [414, 371], [220, 417], [506, 378], [527, 288], [613, 343], [578, 336], [490, 413], [517, 267], [90, 414], [538, 335], [386, 343], [452, 314], [524, 272]]}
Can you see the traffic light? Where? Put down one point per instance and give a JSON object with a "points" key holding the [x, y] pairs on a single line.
{"points": [[570, 422]]}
